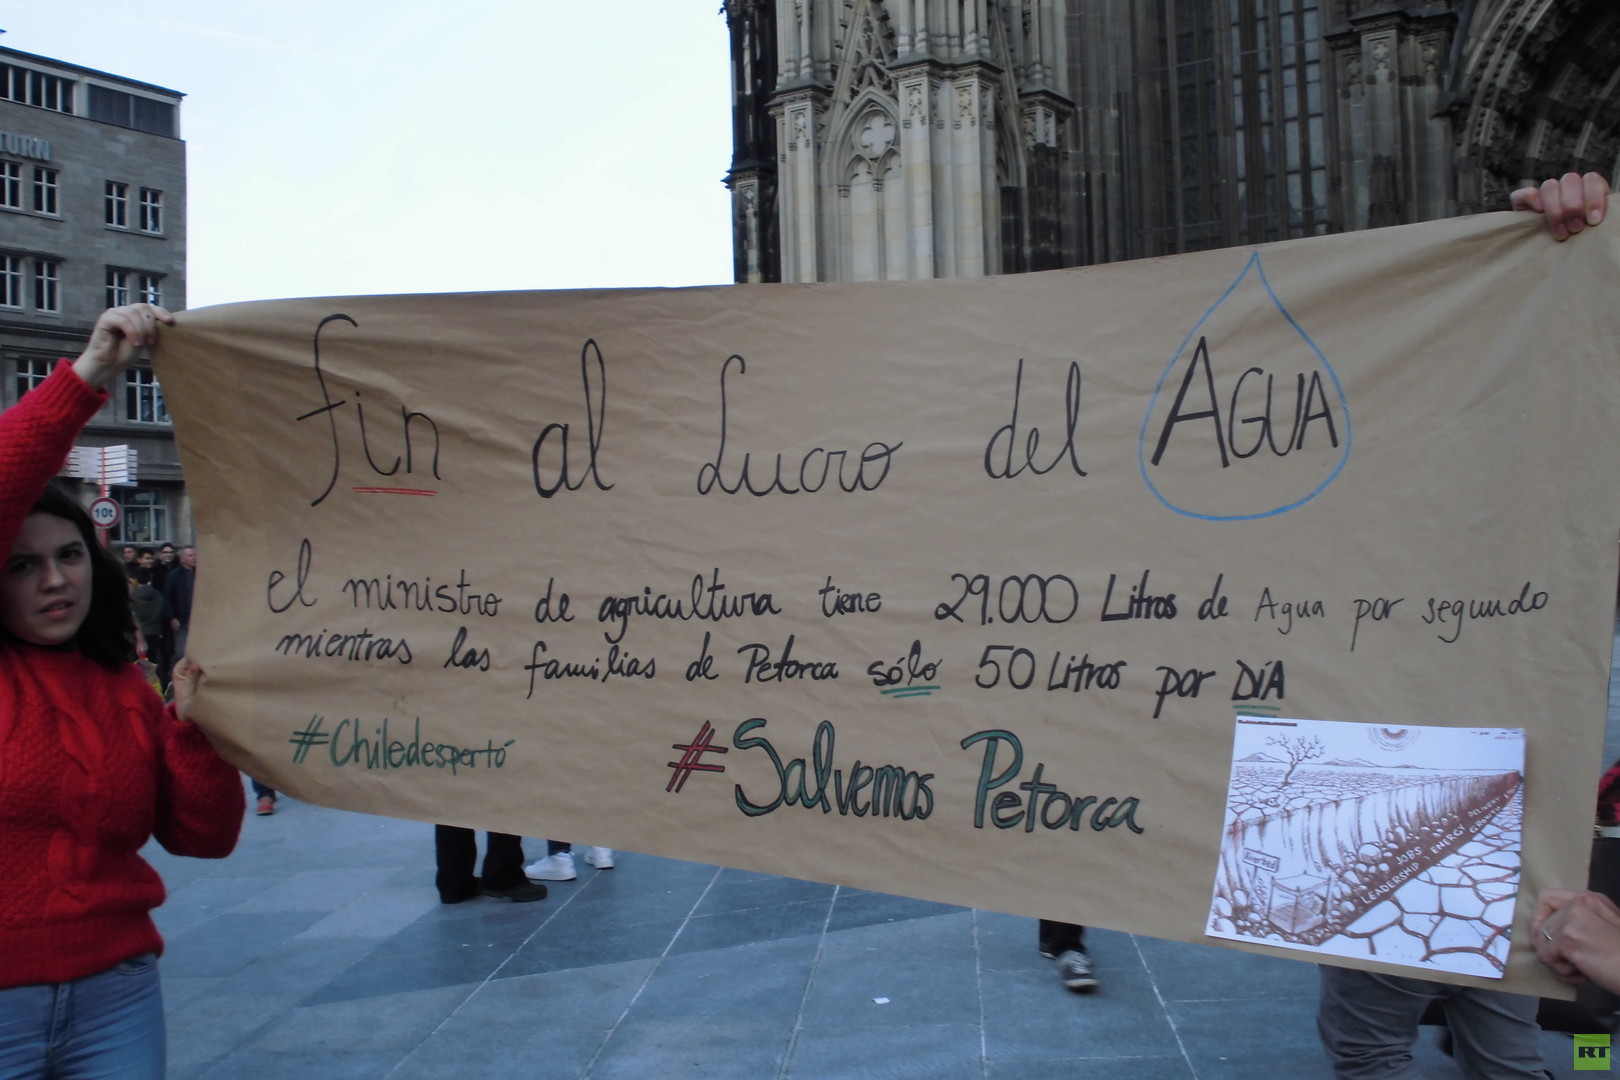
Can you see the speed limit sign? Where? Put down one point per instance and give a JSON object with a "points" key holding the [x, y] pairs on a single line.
{"points": [[105, 512]]}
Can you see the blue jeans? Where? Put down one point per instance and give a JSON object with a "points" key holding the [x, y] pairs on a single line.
{"points": [[1368, 1023], [101, 1027]]}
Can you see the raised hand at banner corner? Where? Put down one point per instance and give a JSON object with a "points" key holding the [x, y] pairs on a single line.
{"points": [[1570, 202], [118, 334]]}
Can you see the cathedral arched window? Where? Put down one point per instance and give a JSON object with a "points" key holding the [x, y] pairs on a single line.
{"points": [[1234, 147], [872, 214]]}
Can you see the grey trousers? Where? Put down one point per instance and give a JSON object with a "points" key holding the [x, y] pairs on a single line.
{"points": [[1368, 1023]]}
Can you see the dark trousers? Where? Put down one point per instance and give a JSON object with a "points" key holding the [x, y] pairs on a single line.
{"points": [[158, 653], [166, 647], [1059, 937], [456, 851]]}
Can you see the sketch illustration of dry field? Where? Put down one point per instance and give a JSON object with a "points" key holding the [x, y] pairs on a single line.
{"points": [[1383, 842]]}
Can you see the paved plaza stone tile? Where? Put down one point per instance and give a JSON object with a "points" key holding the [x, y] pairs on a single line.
{"points": [[724, 929], [1124, 1068], [664, 969], [703, 987], [390, 1024], [1187, 972], [1228, 1039], [896, 1051], [319, 951], [271, 1065]]}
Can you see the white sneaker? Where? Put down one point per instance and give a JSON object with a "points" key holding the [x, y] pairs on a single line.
{"points": [[558, 867], [599, 857], [1074, 969]]}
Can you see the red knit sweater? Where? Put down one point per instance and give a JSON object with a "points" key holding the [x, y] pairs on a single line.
{"points": [[91, 762]]}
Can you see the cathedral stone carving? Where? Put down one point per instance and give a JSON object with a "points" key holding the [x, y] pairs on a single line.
{"points": [[938, 138]]}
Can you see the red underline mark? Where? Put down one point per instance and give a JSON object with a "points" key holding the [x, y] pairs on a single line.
{"points": [[394, 491]]}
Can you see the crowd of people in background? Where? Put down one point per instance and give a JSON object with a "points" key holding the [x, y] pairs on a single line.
{"points": [[161, 583]]}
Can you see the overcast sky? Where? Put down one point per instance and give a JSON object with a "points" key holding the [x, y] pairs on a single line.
{"points": [[359, 146]]}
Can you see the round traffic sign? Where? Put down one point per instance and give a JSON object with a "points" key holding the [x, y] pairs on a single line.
{"points": [[105, 512]]}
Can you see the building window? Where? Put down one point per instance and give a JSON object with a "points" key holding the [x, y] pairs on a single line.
{"points": [[133, 286], [143, 397], [117, 204], [47, 285], [30, 373], [44, 190], [126, 110], [146, 518], [11, 184], [1234, 125], [117, 287], [36, 88], [151, 210], [11, 281]]}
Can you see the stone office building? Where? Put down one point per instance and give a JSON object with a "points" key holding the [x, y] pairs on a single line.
{"points": [[894, 139], [92, 214]]}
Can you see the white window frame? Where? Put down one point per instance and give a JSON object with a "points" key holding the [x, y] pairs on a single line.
{"points": [[47, 285], [46, 193], [143, 397], [149, 288], [11, 196], [31, 372], [29, 87], [117, 287], [146, 517], [151, 210], [11, 280], [117, 204]]}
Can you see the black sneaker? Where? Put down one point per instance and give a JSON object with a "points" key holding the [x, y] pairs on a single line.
{"points": [[523, 893], [1074, 968]]}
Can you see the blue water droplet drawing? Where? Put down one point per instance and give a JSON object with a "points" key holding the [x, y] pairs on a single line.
{"points": [[1249, 419]]}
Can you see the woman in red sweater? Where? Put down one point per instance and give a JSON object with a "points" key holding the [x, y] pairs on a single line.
{"points": [[92, 764]]}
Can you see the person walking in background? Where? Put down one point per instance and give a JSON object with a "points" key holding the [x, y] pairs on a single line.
{"points": [[152, 616], [177, 591], [1065, 943], [160, 568], [160, 581], [266, 797]]}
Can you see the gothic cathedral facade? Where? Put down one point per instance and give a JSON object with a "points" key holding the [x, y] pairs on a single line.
{"points": [[908, 139]]}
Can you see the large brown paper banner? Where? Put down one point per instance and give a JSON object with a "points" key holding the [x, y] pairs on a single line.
{"points": [[953, 589]]}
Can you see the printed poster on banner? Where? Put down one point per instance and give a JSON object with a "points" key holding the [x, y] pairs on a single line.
{"points": [[1394, 843]]}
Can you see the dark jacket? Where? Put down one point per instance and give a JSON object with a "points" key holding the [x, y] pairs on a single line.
{"points": [[151, 611], [177, 591]]}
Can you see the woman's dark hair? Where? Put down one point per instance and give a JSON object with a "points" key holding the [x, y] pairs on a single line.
{"points": [[108, 634]]}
